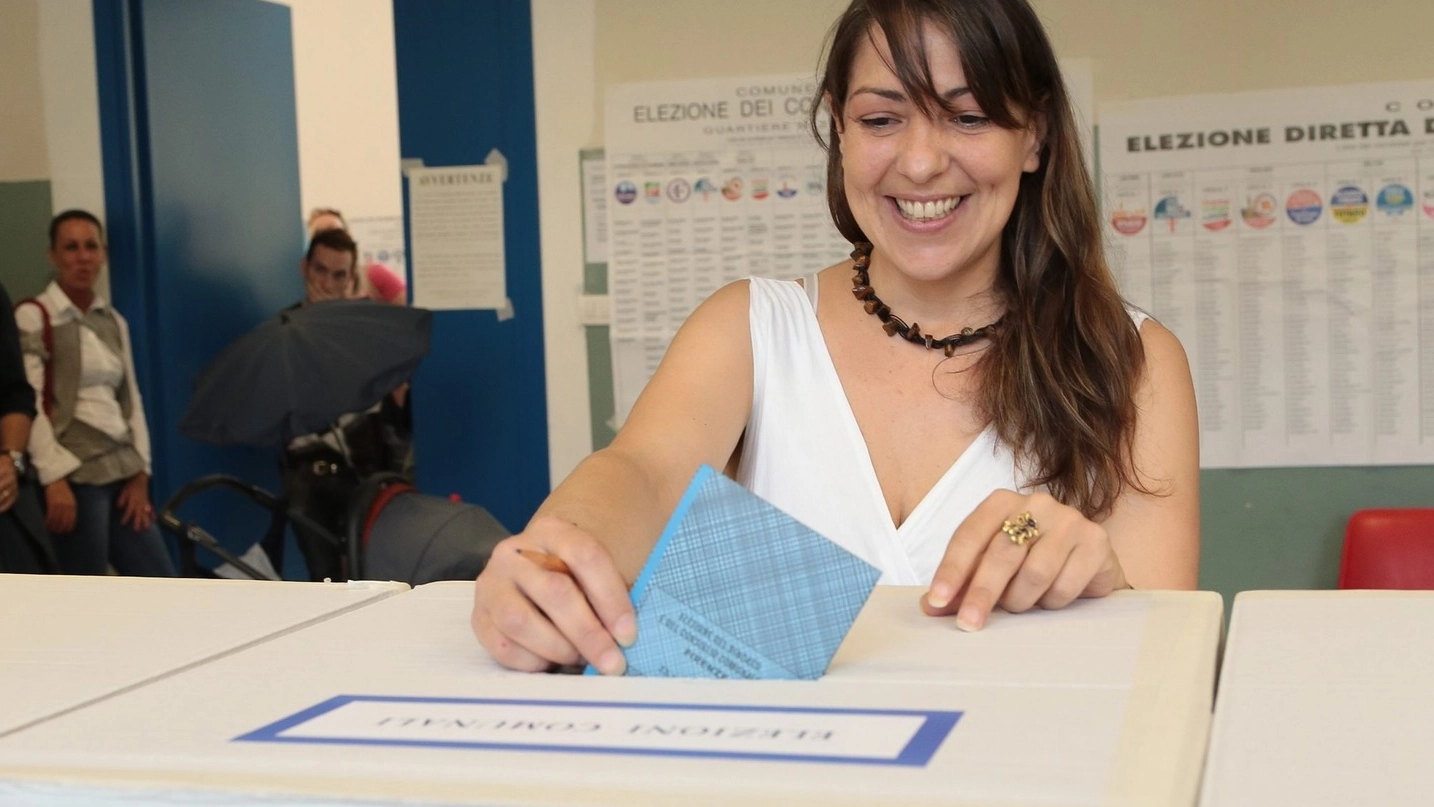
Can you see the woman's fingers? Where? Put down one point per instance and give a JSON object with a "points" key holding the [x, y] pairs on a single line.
{"points": [[603, 587], [552, 595], [1059, 563], [964, 552], [60, 519], [504, 650], [572, 632], [1044, 564], [1080, 568], [997, 565], [9, 486], [1048, 558], [515, 626], [124, 502]]}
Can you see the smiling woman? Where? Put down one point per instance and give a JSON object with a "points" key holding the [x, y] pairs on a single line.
{"points": [[1045, 450]]}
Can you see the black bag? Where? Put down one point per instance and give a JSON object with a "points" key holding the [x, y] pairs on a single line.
{"points": [[25, 546]]}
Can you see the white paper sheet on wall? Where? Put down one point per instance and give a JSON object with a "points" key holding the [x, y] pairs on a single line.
{"points": [[595, 194], [380, 240], [1287, 238], [457, 227]]}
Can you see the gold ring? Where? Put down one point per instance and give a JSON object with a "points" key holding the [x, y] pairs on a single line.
{"points": [[1021, 529]]}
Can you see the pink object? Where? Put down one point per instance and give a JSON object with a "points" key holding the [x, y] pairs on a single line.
{"points": [[388, 284]]}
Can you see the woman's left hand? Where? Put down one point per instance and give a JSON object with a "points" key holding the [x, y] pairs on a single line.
{"points": [[985, 565], [133, 503]]}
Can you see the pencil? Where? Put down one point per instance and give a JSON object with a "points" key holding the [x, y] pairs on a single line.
{"points": [[551, 563]]}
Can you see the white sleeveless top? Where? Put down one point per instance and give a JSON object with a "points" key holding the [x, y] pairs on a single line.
{"points": [[804, 452]]}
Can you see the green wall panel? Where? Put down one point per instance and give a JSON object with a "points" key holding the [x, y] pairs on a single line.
{"points": [[1283, 527], [24, 226]]}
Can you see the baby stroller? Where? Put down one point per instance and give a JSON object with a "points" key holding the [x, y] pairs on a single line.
{"points": [[393, 533], [298, 373]]}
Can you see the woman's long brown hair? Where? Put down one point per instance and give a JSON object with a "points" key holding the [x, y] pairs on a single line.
{"points": [[1059, 380]]}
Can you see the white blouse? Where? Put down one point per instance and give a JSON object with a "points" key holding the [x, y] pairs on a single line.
{"points": [[804, 452], [96, 403]]}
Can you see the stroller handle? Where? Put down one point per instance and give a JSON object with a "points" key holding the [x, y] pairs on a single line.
{"points": [[258, 494], [193, 533], [198, 535], [264, 498]]}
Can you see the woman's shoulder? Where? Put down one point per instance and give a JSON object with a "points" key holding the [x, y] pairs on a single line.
{"points": [[1166, 365], [1153, 334], [730, 302]]}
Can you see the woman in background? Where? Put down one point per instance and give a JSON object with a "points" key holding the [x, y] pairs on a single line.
{"points": [[89, 443]]}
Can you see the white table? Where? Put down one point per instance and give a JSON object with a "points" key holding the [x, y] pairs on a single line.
{"points": [[70, 641], [1107, 702], [1326, 698]]}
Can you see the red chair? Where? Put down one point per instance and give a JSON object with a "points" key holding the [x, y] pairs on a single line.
{"points": [[1389, 548]]}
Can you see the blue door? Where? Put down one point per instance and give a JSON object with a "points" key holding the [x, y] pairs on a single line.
{"points": [[202, 192], [465, 87]]}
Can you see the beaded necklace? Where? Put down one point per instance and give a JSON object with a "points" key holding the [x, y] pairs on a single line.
{"points": [[893, 325]]}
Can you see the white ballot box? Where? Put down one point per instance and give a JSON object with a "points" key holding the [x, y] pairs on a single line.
{"points": [[1104, 703], [1326, 698], [69, 641]]}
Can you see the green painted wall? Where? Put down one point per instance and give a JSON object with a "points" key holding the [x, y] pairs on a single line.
{"points": [[1284, 527], [601, 400], [24, 222]]}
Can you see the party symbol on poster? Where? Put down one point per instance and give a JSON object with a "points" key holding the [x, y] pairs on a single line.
{"points": [[1304, 206]]}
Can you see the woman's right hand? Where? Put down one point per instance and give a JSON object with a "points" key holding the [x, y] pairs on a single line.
{"points": [[530, 618], [59, 507], [9, 485]]}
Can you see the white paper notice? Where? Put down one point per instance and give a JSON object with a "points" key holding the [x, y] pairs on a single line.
{"points": [[380, 240], [1287, 238], [886, 737], [594, 207], [457, 227]]}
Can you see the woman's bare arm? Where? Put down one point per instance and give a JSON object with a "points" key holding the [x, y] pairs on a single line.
{"points": [[1156, 535], [603, 520]]}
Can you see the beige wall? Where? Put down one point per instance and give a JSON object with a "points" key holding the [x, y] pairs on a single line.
{"points": [[566, 99], [50, 126], [23, 156], [1164, 47], [1140, 48], [346, 96], [71, 105]]}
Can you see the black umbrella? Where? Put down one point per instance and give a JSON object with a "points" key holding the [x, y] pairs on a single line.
{"points": [[300, 370]]}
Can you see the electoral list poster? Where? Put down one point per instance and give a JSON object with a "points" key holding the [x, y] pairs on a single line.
{"points": [[710, 182], [1287, 239]]}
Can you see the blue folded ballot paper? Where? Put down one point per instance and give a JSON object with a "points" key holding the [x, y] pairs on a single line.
{"points": [[736, 588]]}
